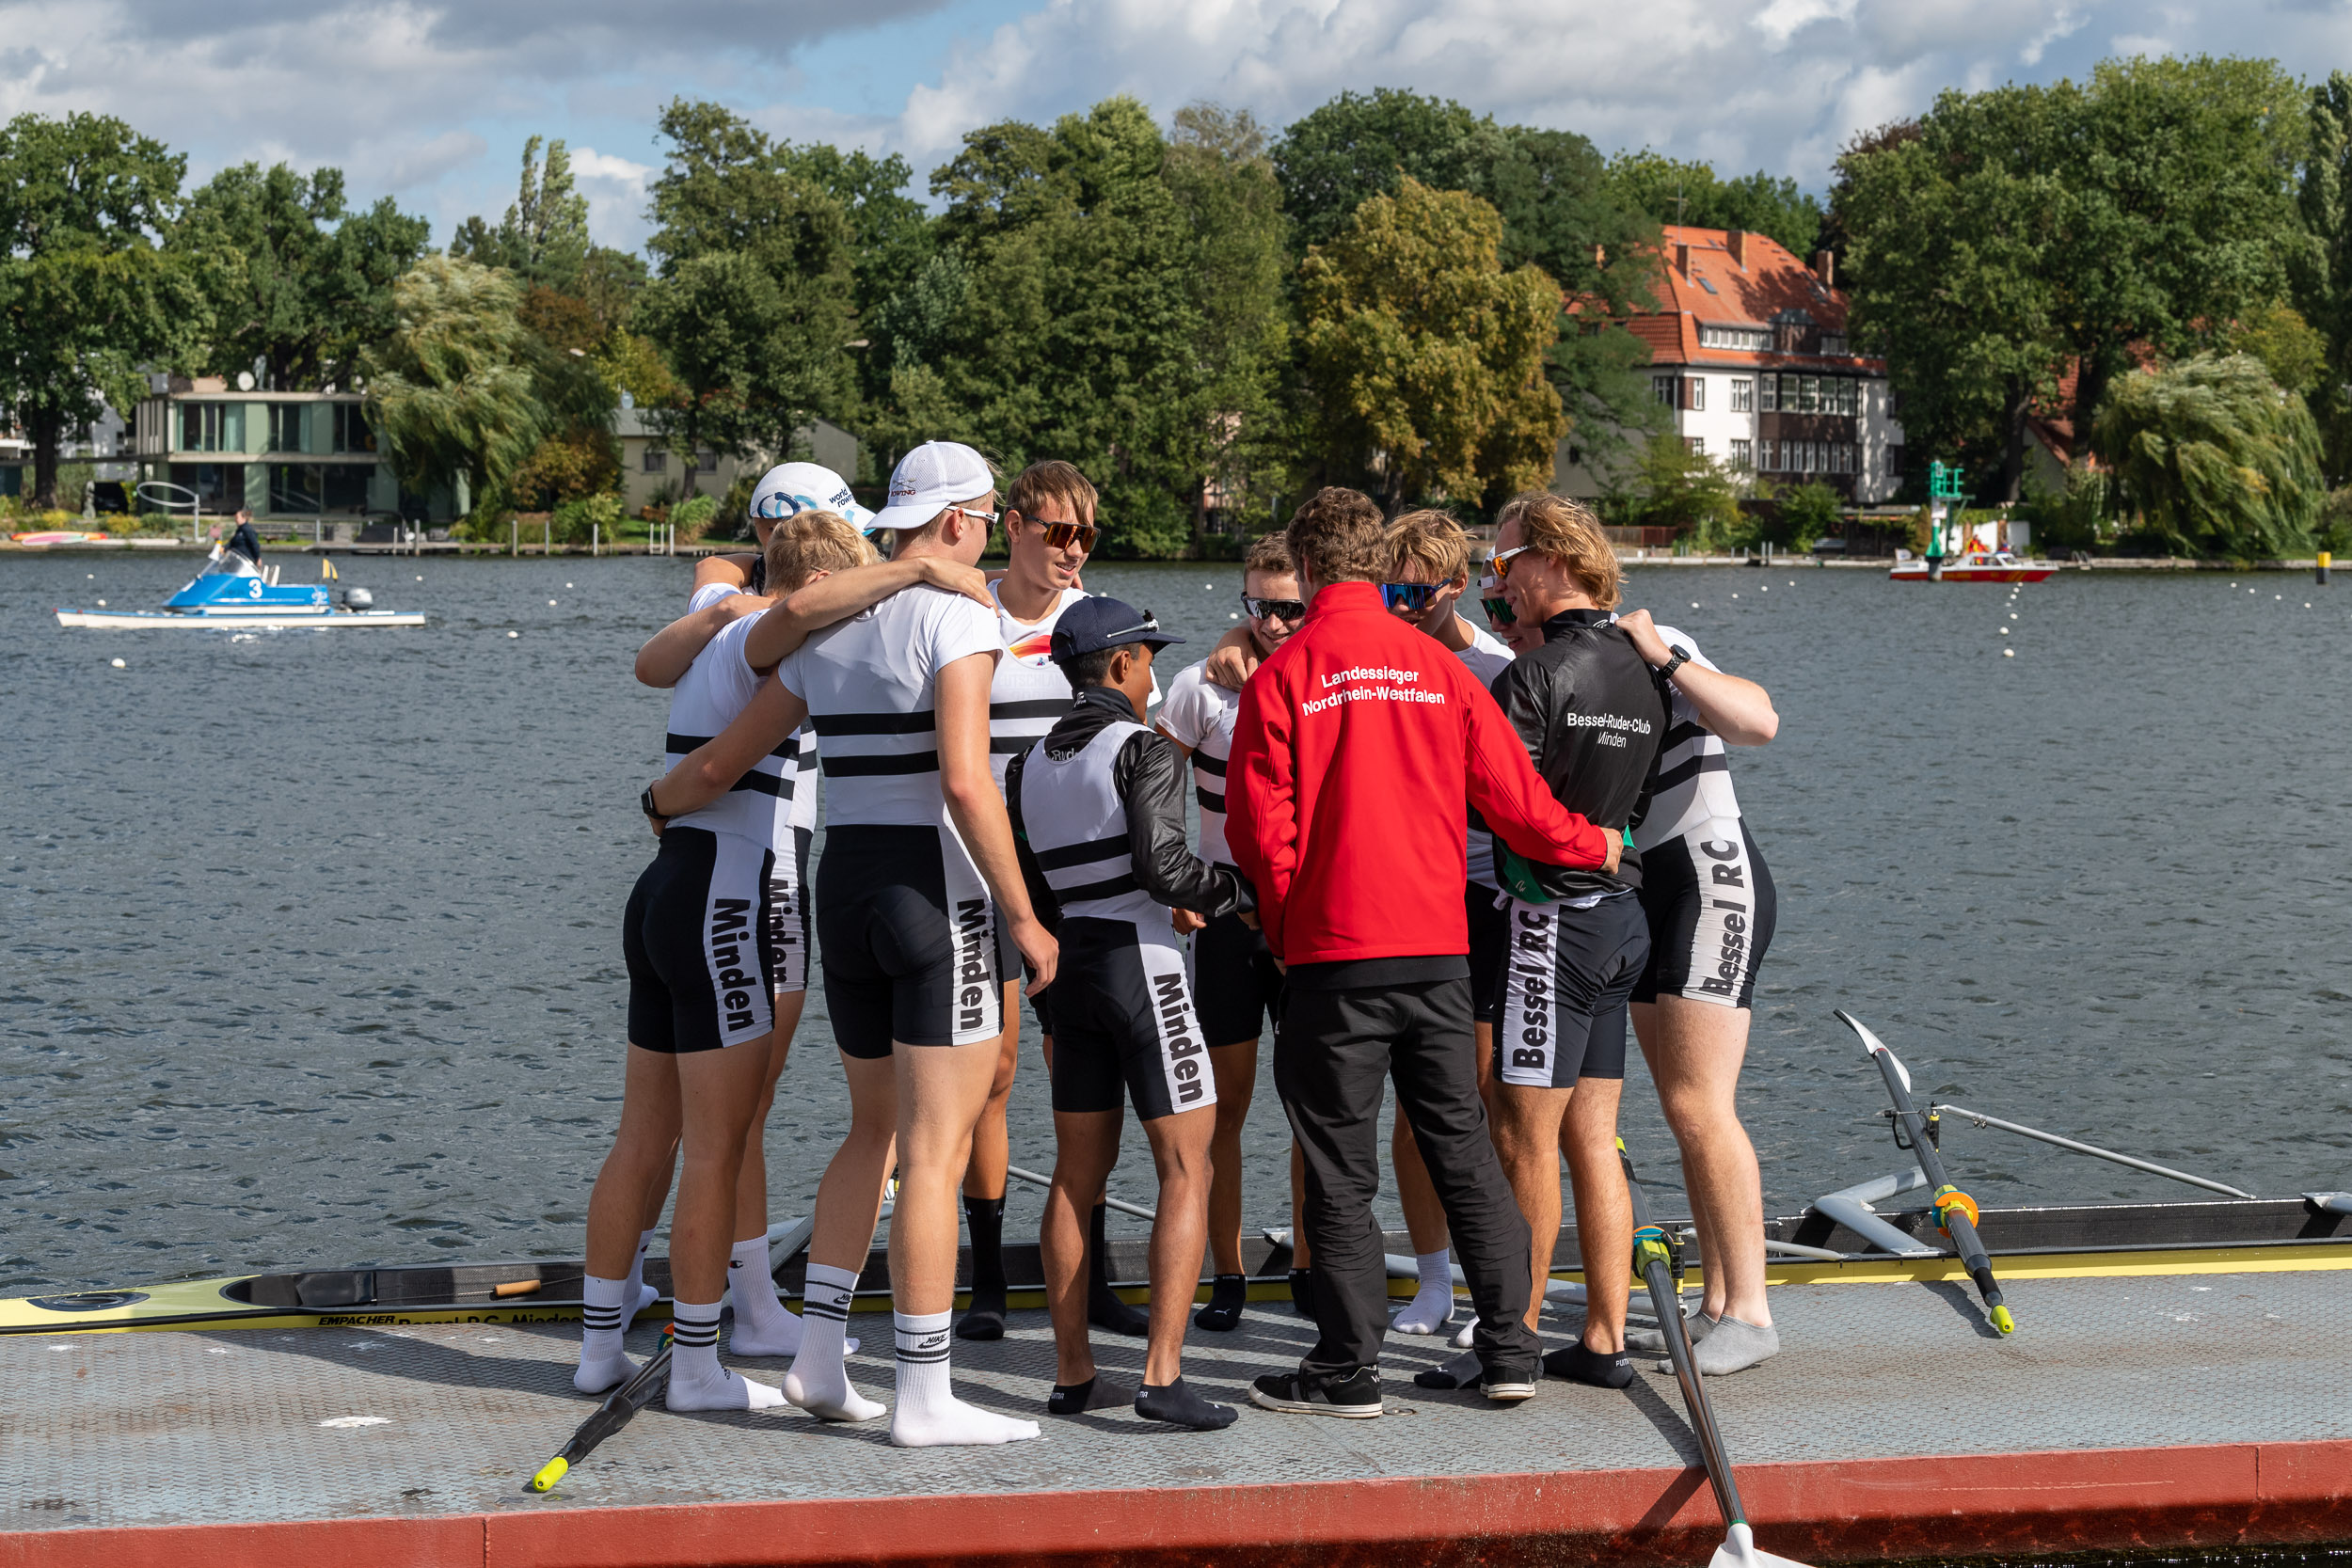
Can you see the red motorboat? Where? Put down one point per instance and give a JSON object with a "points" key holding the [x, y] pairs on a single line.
{"points": [[1973, 566]]}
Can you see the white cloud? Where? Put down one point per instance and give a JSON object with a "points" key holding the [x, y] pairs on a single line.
{"points": [[616, 189]]}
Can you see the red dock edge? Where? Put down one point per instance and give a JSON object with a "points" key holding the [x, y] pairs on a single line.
{"points": [[2226, 1495]]}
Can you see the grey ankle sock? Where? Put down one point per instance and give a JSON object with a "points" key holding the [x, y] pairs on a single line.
{"points": [[1652, 1342], [1732, 1346]]}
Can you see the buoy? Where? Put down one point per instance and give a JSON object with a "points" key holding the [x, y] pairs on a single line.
{"points": [[1760, 587], [550, 604], [92, 576], [2008, 653], [567, 585], [101, 603], [119, 665], [1235, 615], [421, 579], [2004, 631], [1694, 604], [514, 634]]}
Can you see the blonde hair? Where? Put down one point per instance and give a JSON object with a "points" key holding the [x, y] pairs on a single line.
{"points": [[1567, 532], [808, 543], [1269, 553], [1435, 540]]}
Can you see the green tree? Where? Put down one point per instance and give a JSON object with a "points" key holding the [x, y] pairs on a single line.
{"points": [[891, 244], [754, 301], [544, 236], [1362, 145], [1672, 487], [89, 299], [301, 297], [2321, 266], [452, 392], [1668, 190], [2289, 347], [2214, 457], [1427, 356]]}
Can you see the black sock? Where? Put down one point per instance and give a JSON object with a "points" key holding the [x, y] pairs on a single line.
{"points": [[1105, 1310], [1179, 1405], [1228, 1295], [1096, 1393], [1303, 1292], [985, 1317], [1601, 1369]]}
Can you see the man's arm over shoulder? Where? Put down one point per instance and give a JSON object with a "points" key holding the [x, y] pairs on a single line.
{"points": [[1512, 797], [1149, 777]]}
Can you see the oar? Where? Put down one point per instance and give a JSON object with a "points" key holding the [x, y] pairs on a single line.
{"points": [[621, 1407], [1654, 1260], [1955, 1211]]}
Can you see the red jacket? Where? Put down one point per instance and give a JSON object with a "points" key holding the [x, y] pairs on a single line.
{"points": [[1354, 748]]}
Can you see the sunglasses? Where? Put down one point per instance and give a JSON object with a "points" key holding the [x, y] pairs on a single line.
{"points": [[1411, 597], [1498, 612], [988, 517], [1500, 561], [1060, 536], [1273, 610]]}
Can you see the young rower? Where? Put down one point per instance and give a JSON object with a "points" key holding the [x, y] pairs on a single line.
{"points": [[1098, 811], [1234, 974]]}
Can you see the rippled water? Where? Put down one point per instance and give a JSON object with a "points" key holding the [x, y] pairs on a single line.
{"points": [[309, 942]]}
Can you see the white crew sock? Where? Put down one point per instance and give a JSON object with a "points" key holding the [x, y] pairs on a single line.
{"points": [[929, 1415], [819, 1382], [697, 1382], [642, 1294], [1469, 1329], [763, 1325], [603, 1364], [1432, 1307]]}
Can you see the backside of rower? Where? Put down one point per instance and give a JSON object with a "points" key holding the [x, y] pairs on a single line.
{"points": [[1098, 811]]}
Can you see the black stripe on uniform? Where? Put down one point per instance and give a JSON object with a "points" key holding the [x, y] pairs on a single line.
{"points": [[874, 724], [1207, 764], [1111, 887], [1683, 772], [872, 767], [1034, 708], [682, 744], [1079, 854], [1209, 801]]}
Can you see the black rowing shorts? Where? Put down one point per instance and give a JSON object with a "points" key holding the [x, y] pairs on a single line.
{"points": [[1711, 911], [699, 971], [1565, 982], [1489, 919], [788, 923], [1126, 1020], [907, 933], [1235, 979]]}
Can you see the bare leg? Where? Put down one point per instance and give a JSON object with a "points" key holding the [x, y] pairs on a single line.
{"points": [[991, 1143], [849, 1199], [1086, 1147], [1180, 1149], [1234, 1068], [636, 1174], [717, 1089], [751, 1188], [1695, 1050], [942, 1093], [1526, 1136], [1604, 1209]]}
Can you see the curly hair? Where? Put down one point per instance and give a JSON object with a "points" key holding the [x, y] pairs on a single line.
{"points": [[1569, 533], [1341, 533], [808, 543], [1434, 540]]}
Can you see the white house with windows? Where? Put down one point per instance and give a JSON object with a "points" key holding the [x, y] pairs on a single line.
{"points": [[1748, 352], [653, 473]]}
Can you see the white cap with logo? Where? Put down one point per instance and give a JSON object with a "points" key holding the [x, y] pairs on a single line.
{"points": [[931, 477], [793, 487]]}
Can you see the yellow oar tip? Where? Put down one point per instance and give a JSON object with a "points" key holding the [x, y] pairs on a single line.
{"points": [[2003, 1321], [551, 1472]]}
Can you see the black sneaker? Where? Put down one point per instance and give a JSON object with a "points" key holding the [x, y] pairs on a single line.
{"points": [[1354, 1397]]}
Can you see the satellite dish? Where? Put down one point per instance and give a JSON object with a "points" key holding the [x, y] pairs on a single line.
{"points": [[245, 381]]}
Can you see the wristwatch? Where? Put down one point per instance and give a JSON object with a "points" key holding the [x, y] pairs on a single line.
{"points": [[1665, 670], [644, 802]]}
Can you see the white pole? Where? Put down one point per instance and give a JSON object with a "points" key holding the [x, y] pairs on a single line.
{"points": [[596, 539]]}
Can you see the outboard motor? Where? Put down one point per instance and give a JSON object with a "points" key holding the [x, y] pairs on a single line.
{"points": [[359, 599]]}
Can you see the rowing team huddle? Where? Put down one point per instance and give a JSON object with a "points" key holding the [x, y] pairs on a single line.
{"points": [[1359, 752]]}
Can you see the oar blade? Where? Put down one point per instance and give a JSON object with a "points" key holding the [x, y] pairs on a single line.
{"points": [[1740, 1550]]}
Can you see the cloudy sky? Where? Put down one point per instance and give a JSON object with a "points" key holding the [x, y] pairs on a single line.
{"points": [[430, 99]]}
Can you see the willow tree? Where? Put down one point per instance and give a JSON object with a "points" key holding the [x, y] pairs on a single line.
{"points": [[451, 392], [2215, 456], [1428, 357]]}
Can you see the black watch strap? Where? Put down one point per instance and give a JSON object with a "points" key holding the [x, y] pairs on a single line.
{"points": [[644, 801], [1665, 670]]}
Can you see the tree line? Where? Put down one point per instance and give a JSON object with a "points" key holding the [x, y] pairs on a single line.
{"points": [[1209, 315]]}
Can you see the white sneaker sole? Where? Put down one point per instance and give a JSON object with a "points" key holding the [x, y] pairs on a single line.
{"points": [[1309, 1407]]}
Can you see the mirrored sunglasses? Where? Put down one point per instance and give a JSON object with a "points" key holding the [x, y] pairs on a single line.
{"points": [[1411, 597], [1061, 536], [1273, 610]]}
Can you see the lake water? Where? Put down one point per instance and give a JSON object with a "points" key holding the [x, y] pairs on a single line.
{"points": [[309, 948]]}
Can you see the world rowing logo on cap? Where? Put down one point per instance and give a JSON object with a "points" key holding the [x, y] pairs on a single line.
{"points": [[1035, 650]]}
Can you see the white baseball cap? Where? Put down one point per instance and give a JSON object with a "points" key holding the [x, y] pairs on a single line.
{"points": [[931, 477], [792, 488]]}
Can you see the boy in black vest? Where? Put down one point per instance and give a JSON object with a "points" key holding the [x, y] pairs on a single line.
{"points": [[1098, 819]]}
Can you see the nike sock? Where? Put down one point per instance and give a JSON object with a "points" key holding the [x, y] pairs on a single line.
{"points": [[603, 1364], [929, 1415], [763, 1325], [1228, 1295], [1104, 1309], [985, 1317], [819, 1382], [1096, 1393], [1432, 1307], [1180, 1406], [1600, 1368], [697, 1382], [642, 1294]]}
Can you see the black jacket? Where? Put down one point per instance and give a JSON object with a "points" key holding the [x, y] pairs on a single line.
{"points": [[1149, 777], [1589, 711]]}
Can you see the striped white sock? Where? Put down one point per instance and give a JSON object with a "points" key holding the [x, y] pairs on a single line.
{"points": [[819, 1382], [929, 1415], [642, 1294], [602, 1322], [697, 1382]]}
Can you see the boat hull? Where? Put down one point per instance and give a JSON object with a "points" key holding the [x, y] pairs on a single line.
{"points": [[284, 619], [1916, 571]]}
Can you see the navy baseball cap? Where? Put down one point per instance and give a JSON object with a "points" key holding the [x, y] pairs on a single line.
{"points": [[1093, 625]]}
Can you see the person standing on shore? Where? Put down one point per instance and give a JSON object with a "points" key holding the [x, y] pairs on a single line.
{"points": [[1588, 711], [1358, 744], [1234, 974], [1711, 908], [1098, 811]]}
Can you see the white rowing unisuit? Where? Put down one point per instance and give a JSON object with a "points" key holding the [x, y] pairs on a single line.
{"points": [[1029, 693], [778, 793], [1199, 714], [1693, 785]]}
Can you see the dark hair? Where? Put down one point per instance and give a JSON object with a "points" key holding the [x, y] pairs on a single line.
{"points": [[1051, 480], [1092, 669], [1270, 553], [1342, 535]]}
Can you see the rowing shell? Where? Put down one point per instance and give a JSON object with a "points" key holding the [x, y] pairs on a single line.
{"points": [[258, 620], [330, 1298]]}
